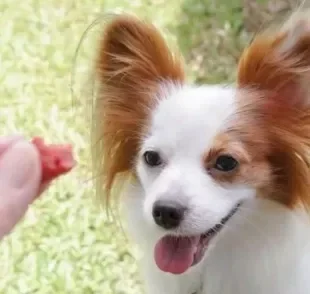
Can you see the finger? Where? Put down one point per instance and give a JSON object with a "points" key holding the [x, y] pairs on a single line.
{"points": [[20, 167], [20, 175], [6, 142]]}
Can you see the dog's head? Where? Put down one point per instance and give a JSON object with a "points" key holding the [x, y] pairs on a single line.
{"points": [[197, 153]]}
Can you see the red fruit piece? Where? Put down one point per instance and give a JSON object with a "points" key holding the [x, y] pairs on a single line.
{"points": [[56, 160]]}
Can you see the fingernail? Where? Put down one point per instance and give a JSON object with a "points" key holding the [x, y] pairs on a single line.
{"points": [[7, 141], [18, 164]]}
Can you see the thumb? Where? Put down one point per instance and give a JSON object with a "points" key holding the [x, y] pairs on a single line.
{"points": [[20, 175], [20, 167]]}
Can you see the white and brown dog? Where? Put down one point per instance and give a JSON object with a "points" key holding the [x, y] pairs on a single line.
{"points": [[217, 189]]}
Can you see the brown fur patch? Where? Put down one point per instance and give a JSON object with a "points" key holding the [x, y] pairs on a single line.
{"points": [[248, 149], [277, 66], [133, 59]]}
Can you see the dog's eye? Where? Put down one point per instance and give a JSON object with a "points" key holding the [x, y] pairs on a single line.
{"points": [[225, 163], [152, 158]]}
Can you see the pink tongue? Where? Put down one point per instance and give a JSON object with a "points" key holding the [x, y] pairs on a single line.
{"points": [[175, 254]]}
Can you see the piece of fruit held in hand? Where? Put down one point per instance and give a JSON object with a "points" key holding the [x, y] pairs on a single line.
{"points": [[56, 159]]}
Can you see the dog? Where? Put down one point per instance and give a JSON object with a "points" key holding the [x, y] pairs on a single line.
{"points": [[214, 180]]}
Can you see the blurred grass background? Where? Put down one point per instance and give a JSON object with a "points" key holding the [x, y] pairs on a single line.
{"points": [[66, 244]]}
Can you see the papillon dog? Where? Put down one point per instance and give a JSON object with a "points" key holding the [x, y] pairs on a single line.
{"points": [[214, 180]]}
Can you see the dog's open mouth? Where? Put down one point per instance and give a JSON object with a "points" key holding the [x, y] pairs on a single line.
{"points": [[176, 254]]}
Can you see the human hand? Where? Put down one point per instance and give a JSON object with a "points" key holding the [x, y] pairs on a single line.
{"points": [[20, 180]]}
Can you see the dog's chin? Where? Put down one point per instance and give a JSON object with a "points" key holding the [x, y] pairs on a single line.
{"points": [[176, 254]]}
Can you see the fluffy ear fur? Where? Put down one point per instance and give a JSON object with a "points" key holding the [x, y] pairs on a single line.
{"points": [[133, 60], [277, 66], [280, 62]]}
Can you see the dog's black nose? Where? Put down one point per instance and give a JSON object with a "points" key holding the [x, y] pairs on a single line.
{"points": [[168, 215]]}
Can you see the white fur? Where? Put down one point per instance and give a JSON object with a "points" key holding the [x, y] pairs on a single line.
{"points": [[264, 248]]}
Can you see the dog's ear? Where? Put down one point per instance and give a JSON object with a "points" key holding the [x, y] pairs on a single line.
{"points": [[279, 63], [132, 64], [277, 66], [134, 55]]}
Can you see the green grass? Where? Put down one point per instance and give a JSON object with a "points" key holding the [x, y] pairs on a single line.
{"points": [[65, 243]]}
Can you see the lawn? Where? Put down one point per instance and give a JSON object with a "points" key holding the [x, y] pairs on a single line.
{"points": [[66, 244]]}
